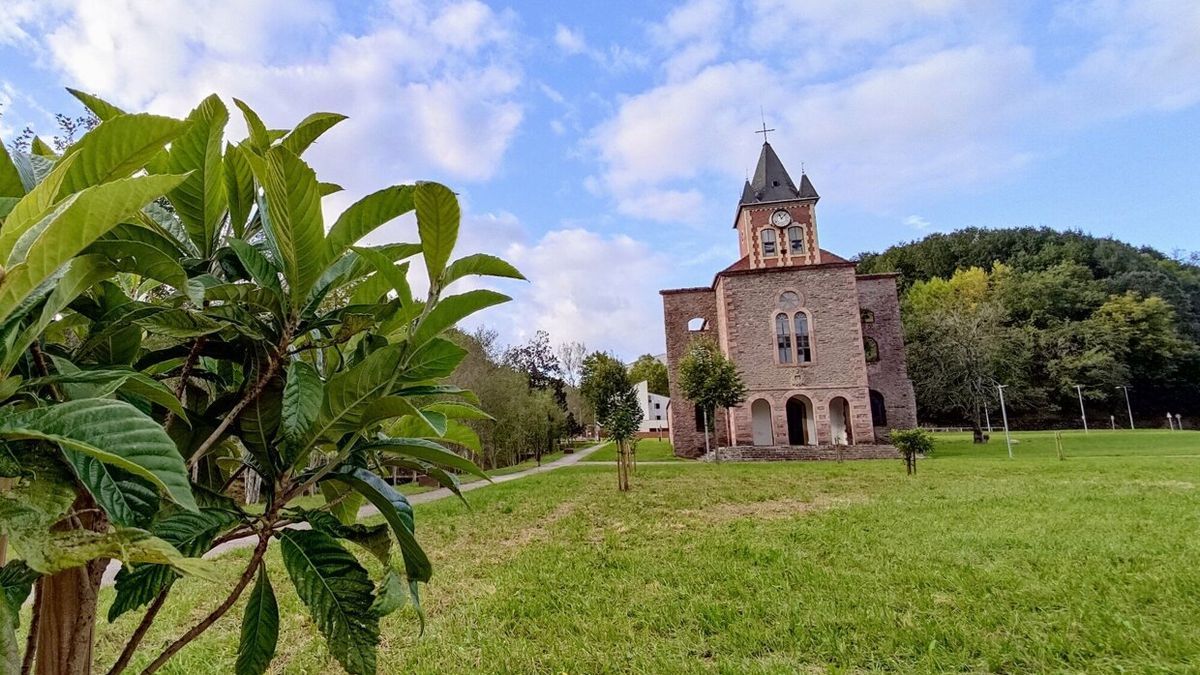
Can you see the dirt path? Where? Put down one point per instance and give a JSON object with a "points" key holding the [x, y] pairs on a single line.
{"points": [[420, 498]]}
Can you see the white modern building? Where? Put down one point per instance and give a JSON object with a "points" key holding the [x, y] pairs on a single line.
{"points": [[654, 410]]}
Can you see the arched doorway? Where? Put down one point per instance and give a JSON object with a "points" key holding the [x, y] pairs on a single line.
{"points": [[801, 430], [760, 422], [878, 409], [839, 422]]}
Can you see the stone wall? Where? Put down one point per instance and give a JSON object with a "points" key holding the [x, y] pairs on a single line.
{"points": [[786, 453], [679, 308], [829, 295], [878, 294]]}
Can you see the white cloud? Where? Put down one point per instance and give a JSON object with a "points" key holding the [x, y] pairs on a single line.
{"points": [[589, 287], [883, 101], [430, 89], [917, 222], [570, 41]]}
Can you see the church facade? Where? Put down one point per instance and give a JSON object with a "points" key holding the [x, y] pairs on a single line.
{"points": [[820, 347]]}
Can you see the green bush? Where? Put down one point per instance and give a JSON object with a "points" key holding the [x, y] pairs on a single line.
{"points": [[910, 443]]}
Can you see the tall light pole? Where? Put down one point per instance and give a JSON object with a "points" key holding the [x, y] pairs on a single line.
{"points": [[1004, 414], [1128, 408], [1082, 412]]}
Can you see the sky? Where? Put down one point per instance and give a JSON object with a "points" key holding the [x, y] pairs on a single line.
{"points": [[601, 146]]}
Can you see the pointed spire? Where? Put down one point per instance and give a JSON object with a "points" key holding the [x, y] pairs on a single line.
{"points": [[771, 182]]}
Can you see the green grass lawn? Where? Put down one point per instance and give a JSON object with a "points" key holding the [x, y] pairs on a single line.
{"points": [[648, 450], [978, 564]]}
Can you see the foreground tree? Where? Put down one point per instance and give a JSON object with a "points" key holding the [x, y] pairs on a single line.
{"points": [[606, 386], [158, 354], [710, 380], [622, 423]]}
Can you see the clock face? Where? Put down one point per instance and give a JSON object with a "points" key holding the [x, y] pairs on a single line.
{"points": [[781, 218]]}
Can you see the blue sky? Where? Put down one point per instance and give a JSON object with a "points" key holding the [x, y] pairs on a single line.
{"points": [[602, 146]]}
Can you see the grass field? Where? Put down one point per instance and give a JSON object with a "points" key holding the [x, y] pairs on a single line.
{"points": [[648, 450], [978, 563]]}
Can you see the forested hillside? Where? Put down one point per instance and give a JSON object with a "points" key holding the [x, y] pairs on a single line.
{"points": [[1044, 311]]}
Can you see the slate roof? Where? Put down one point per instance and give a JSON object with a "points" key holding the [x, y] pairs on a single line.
{"points": [[771, 182]]}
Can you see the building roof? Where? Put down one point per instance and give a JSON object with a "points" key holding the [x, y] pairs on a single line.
{"points": [[771, 182]]}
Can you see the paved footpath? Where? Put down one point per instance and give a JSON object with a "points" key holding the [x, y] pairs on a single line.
{"points": [[419, 498]]}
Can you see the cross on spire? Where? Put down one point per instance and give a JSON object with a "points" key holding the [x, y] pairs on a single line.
{"points": [[764, 126]]}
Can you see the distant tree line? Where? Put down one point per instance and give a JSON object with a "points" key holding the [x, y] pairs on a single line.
{"points": [[1044, 311]]}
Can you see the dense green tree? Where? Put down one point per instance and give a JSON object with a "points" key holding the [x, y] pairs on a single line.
{"points": [[653, 371], [155, 358], [603, 378], [710, 380], [1043, 312]]}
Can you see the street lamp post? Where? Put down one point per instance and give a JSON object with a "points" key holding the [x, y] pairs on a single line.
{"points": [[1082, 411], [1004, 414], [1128, 408]]}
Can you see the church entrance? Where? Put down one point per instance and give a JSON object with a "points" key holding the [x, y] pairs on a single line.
{"points": [[839, 421], [799, 421], [760, 420]]}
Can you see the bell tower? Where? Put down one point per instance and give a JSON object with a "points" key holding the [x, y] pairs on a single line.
{"points": [[777, 221]]}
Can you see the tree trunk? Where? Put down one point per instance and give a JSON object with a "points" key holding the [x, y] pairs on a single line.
{"points": [[68, 609], [976, 432]]}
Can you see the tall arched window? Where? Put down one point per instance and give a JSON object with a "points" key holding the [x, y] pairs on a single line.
{"points": [[871, 350], [878, 409], [795, 239], [783, 338], [803, 346], [768, 242]]}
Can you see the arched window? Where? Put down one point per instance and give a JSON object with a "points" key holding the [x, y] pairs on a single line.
{"points": [[783, 338], [699, 412], [803, 346], [768, 242], [878, 409], [697, 324], [867, 316], [871, 350], [795, 239]]}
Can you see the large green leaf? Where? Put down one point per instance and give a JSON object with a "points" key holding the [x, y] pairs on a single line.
{"points": [[32, 208], [72, 226], [10, 178], [101, 108], [308, 130], [239, 188], [191, 533], [302, 396], [84, 272], [113, 432], [16, 581], [395, 509], [201, 200], [117, 148], [452, 309], [373, 539], [437, 224], [482, 264], [293, 219], [427, 451], [349, 392], [129, 501], [261, 270], [368, 213], [437, 358], [338, 594], [260, 628], [259, 138], [395, 276]]}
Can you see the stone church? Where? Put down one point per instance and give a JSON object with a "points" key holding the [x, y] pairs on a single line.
{"points": [[819, 347]]}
